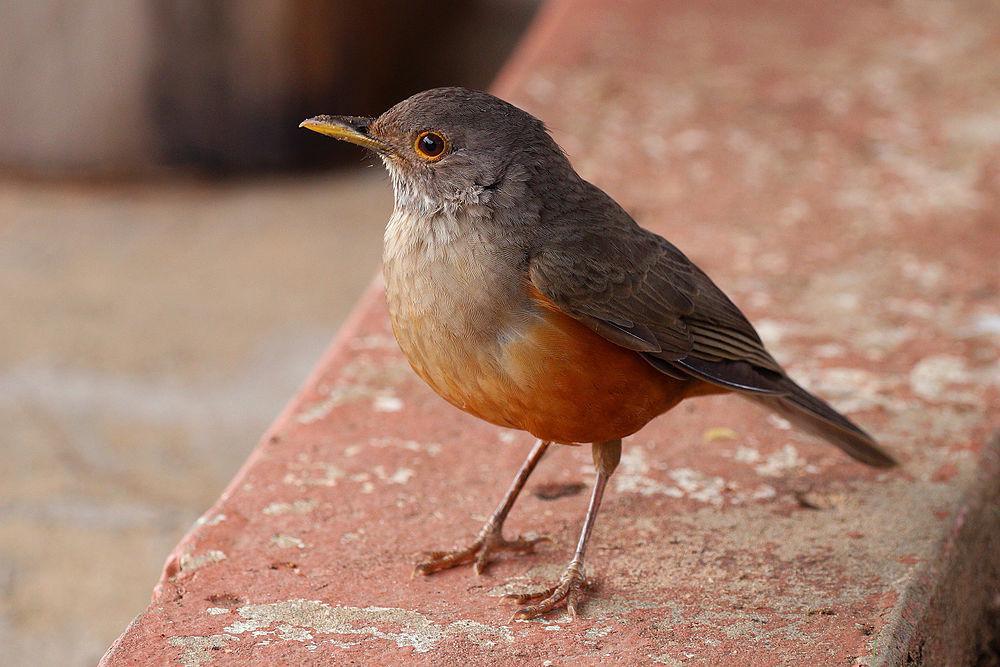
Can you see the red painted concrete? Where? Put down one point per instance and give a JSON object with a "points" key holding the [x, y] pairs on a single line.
{"points": [[835, 167]]}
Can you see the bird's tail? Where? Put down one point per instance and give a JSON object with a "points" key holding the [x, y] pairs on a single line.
{"points": [[814, 415]]}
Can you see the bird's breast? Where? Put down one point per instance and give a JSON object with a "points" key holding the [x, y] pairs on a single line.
{"points": [[454, 296], [470, 324]]}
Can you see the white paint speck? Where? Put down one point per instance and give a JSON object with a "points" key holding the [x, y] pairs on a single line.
{"points": [[597, 632], [387, 403], [296, 507], [763, 492], [506, 436], [772, 331], [931, 376], [373, 342], [698, 486], [987, 324], [211, 521], [315, 474], [786, 458], [287, 541], [746, 455], [632, 477], [779, 422], [401, 476], [190, 562], [829, 351]]}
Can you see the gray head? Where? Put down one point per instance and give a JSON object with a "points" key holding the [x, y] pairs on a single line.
{"points": [[448, 148]]}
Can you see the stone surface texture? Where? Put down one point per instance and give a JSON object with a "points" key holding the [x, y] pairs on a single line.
{"points": [[836, 168]]}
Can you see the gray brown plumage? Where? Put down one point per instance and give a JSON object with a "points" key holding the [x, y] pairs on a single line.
{"points": [[634, 288], [526, 296]]}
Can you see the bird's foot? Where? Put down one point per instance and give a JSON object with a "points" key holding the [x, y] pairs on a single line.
{"points": [[489, 541], [568, 592]]}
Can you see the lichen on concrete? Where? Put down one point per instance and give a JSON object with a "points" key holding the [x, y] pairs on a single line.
{"points": [[366, 377], [301, 620], [190, 562], [198, 651], [283, 541], [294, 507]]}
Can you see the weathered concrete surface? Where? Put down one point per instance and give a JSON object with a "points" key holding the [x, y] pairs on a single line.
{"points": [[835, 167]]}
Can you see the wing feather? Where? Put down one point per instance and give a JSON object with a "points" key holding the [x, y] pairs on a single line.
{"points": [[593, 262], [637, 290]]}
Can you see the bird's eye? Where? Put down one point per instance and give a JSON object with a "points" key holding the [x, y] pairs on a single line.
{"points": [[430, 146]]}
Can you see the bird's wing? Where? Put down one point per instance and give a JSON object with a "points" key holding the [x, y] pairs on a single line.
{"points": [[593, 262], [627, 297], [637, 290]]}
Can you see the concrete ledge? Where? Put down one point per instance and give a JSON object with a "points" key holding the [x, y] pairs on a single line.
{"points": [[832, 167]]}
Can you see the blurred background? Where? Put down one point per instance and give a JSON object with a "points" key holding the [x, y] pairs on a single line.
{"points": [[175, 254]]}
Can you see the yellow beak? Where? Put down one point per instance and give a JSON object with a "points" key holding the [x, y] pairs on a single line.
{"points": [[353, 129]]}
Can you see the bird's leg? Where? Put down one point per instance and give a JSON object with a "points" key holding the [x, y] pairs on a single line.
{"points": [[490, 538], [569, 590]]}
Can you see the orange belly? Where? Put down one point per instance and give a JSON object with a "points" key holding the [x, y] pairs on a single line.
{"points": [[556, 379], [584, 388]]}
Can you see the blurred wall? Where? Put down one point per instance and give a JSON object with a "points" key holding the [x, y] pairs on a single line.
{"points": [[73, 76], [113, 87]]}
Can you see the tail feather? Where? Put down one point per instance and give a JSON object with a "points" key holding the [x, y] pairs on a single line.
{"points": [[814, 415]]}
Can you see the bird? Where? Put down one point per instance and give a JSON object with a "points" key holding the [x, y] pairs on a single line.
{"points": [[528, 297]]}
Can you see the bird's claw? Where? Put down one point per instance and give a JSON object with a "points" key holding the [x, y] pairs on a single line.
{"points": [[568, 592], [489, 541]]}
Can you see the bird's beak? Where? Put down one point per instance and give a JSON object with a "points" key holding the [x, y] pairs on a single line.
{"points": [[346, 128]]}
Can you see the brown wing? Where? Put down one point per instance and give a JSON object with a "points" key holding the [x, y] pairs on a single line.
{"points": [[634, 288], [637, 290], [627, 297]]}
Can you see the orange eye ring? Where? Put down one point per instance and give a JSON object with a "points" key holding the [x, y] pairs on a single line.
{"points": [[430, 145]]}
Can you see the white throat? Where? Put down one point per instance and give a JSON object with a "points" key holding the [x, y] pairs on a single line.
{"points": [[424, 226], [416, 234]]}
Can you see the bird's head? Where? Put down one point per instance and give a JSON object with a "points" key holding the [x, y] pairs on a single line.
{"points": [[448, 148]]}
